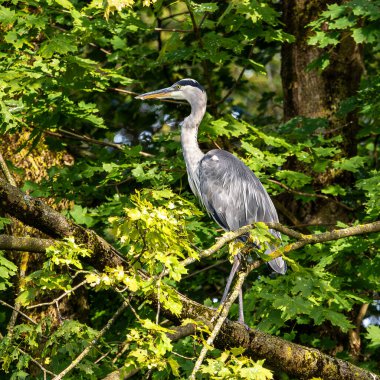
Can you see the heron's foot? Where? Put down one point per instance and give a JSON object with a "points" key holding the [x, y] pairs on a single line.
{"points": [[244, 324]]}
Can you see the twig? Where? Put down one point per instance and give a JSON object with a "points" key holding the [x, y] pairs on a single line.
{"points": [[38, 364], [205, 269], [311, 194], [68, 134], [19, 311], [107, 52], [158, 295], [172, 30], [285, 211], [102, 357], [6, 172], [222, 317], [55, 300], [174, 15], [86, 351]]}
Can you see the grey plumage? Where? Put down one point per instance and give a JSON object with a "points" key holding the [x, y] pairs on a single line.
{"points": [[234, 196], [228, 189]]}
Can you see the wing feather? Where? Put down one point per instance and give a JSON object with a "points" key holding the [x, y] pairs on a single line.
{"points": [[231, 192], [234, 196]]}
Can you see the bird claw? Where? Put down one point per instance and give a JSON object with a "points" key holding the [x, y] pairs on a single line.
{"points": [[244, 324]]}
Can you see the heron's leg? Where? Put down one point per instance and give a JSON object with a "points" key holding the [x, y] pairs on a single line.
{"points": [[235, 267], [241, 309]]}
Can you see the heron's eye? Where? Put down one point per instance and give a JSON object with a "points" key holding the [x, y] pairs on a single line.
{"points": [[177, 87]]}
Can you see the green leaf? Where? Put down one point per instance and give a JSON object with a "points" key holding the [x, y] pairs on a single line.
{"points": [[334, 190], [4, 222], [373, 334], [352, 164], [7, 16], [338, 319], [65, 4], [58, 44], [81, 216], [27, 296], [294, 179], [205, 7], [323, 39]]}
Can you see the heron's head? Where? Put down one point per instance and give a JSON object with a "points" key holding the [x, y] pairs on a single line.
{"points": [[185, 89]]}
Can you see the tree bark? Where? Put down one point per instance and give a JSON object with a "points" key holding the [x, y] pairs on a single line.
{"points": [[279, 354], [313, 94]]}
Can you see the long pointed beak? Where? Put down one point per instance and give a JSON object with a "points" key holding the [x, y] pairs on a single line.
{"points": [[159, 94]]}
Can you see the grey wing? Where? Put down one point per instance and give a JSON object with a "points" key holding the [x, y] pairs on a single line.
{"points": [[234, 196]]}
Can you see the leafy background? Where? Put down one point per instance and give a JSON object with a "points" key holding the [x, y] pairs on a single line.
{"points": [[70, 69]]}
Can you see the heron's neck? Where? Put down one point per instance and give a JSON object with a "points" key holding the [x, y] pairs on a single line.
{"points": [[189, 134]]}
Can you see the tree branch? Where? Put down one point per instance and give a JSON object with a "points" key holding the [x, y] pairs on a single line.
{"points": [[18, 311], [172, 30], [63, 295], [238, 79], [61, 133], [303, 239], [29, 244], [35, 213]]}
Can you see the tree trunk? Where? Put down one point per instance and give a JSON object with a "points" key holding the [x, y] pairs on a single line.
{"points": [[311, 93], [315, 94]]}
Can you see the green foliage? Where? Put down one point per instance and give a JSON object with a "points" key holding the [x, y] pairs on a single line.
{"points": [[154, 231], [64, 255], [307, 296], [64, 65], [233, 365], [359, 17], [7, 270], [149, 348], [4, 222], [373, 334], [372, 192]]}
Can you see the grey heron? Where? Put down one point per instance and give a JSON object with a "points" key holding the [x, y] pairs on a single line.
{"points": [[227, 188]]}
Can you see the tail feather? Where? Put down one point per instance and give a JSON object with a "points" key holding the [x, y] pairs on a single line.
{"points": [[278, 265]]}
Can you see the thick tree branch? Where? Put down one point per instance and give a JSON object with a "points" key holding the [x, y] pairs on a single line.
{"points": [[35, 213], [298, 361], [29, 244]]}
